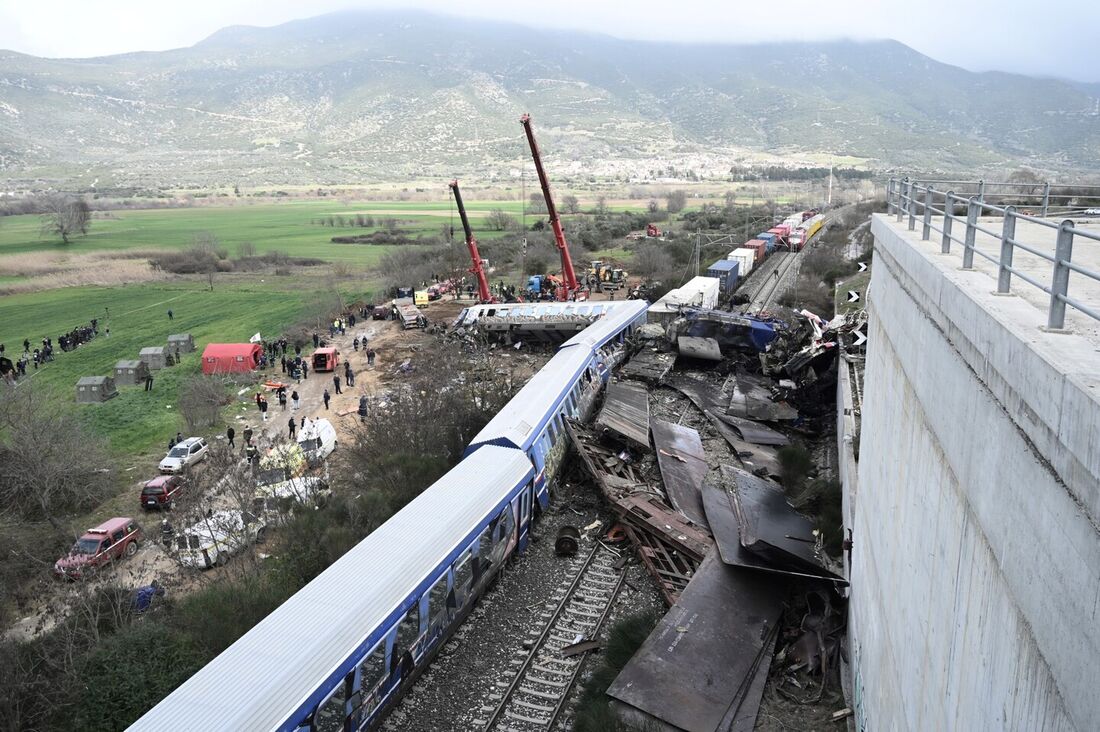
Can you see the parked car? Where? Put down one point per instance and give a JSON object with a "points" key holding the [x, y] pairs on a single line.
{"points": [[380, 312], [212, 539], [111, 540], [161, 491], [183, 455], [317, 440]]}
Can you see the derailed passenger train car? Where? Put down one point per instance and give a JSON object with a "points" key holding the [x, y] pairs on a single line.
{"points": [[567, 386], [334, 655]]}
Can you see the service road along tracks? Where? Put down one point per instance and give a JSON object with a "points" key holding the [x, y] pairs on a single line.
{"points": [[543, 676]]}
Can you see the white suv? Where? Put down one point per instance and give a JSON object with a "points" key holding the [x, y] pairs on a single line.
{"points": [[183, 455]]}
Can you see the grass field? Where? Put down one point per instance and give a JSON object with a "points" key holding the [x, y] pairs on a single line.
{"points": [[137, 422], [288, 227]]}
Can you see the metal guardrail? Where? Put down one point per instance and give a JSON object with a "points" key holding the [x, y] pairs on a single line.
{"points": [[919, 198]]}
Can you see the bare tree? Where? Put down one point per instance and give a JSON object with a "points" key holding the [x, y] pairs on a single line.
{"points": [[653, 207], [246, 249], [675, 201], [498, 220], [730, 199], [66, 216], [601, 205], [570, 204], [536, 204], [652, 262], [201, 401], [50, 464]]}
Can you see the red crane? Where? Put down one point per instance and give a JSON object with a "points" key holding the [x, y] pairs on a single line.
{"points": [[570, 285], [478, 268]]}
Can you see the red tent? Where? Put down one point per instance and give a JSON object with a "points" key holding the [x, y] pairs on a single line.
{"points": [[228, 358]]}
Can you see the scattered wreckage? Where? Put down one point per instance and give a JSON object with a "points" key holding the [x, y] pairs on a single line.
{"points": [[720, 537]]}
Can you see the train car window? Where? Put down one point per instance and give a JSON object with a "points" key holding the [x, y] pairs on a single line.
{"points": [[372, 670], [407, 633], [372, 674], [437, 603], [331, 713], [485, 546], [464, 577]]}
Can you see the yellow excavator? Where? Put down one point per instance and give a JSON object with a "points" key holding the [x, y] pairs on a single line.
{"points": [[604, 276]]}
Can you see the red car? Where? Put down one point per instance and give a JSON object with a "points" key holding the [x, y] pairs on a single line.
{"points": [[161, 491], [113, 539]]}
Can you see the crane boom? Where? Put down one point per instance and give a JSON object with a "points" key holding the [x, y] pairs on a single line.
{"points": [[478, 269], [567, 272]]}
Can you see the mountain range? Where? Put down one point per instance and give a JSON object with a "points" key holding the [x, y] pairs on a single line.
{"points": [[359, 97]]}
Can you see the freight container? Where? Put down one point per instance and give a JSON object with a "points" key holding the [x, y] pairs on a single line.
{"points": [[699, 292], [746, 258], [759, 248], [725, 271]]}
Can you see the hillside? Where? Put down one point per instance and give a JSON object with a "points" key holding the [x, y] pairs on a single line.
{"points": [[363, 96]]}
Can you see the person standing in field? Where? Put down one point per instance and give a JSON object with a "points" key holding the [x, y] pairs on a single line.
{"points": [[170, 316], [294, 403], [291, 428], [347, 374], [336, 383], [263, 408], [247, 435], [326, 397], [230, 433]]}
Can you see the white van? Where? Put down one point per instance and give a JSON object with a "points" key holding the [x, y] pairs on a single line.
{"points": [[317, 440], [212, 539]]}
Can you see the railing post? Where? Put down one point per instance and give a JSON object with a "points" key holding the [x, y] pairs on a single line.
{"points": [[972, 207], [1046, 198], [981, 190], [1059, 286], [926, 229], [1008, 232], [948, 217], [902, 193], [890, 195], [912, 206]]}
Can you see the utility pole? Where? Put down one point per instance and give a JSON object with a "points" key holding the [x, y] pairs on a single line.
{"points": [[829, 199]]}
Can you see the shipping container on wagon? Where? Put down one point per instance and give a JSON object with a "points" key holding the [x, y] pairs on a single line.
{"points": [[759, 248], [746, 258], [725, 271]]}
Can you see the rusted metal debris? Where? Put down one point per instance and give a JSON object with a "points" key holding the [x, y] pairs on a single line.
{"points": [[753, 399], [625, 413], [670, 569], [700, 669], [649, 365], [683, 467], [705, 349], [771, 529], [584, 646], [759, 460], [669, 545], [710, 401]]}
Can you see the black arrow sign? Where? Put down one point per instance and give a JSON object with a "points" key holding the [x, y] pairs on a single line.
{"points": [[853, 296], [862, 266]]}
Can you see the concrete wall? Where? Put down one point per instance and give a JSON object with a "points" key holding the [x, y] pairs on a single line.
{"points": [[976, 567]]}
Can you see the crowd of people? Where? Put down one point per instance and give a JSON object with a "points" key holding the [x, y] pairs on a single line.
{"points": [[13, 369]]}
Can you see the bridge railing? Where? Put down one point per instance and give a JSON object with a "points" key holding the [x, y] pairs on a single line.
{"points": [[952, 207]]}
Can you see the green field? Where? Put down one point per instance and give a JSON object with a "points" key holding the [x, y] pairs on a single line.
{"points": [[137, 422], [288, 227]]}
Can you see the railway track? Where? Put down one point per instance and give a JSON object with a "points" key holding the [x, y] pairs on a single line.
{"points": [[543, 676], [767, 287]]}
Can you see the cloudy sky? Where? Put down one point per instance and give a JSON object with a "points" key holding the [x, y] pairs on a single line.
{"points": [[1009, 35]]}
